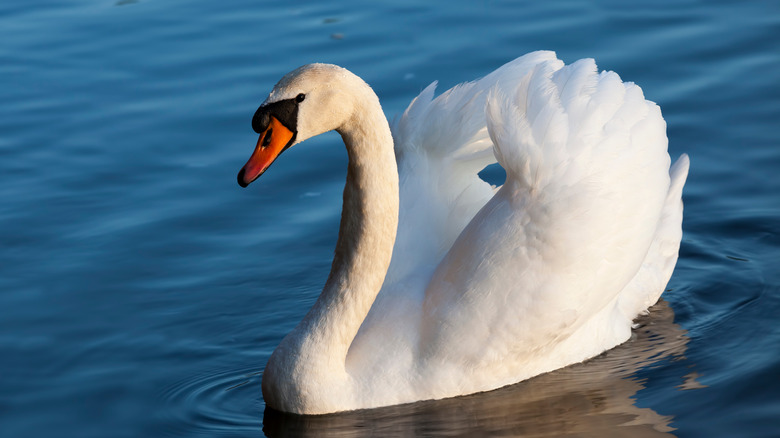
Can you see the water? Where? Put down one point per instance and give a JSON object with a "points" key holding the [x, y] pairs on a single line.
{"points": [[142, 291]]}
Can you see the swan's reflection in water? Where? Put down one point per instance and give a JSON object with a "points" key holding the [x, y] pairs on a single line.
{"points": [[594, 398]]}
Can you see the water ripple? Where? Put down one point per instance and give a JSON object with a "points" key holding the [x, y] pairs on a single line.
{"points": [[221, 403]]}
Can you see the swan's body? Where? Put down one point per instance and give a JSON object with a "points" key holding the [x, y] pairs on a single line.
{"points": [[486, 287]]}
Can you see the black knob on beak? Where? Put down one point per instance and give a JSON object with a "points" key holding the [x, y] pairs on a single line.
{"points": [[261, 120]]}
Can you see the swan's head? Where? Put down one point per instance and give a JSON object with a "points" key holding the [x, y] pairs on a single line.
{"points": [[306, 102]]}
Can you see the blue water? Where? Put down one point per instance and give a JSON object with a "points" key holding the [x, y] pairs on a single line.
{"points": [[142, 291]]}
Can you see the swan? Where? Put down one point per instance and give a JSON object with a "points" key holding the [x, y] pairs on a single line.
{"points": [[443, 285]]}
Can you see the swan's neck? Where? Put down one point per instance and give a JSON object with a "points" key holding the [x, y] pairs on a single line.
{"points": [[369, 220]]}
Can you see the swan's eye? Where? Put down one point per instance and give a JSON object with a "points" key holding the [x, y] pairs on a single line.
{"points": [[299, 98]]}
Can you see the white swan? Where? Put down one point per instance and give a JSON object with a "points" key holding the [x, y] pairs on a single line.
{"points": [[481, 287]]}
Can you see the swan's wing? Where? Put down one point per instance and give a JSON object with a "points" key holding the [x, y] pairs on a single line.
{"points": [[441, 145], [587, 165]]}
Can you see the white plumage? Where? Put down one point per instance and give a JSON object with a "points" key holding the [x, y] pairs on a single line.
{"points": [[486, 286]]}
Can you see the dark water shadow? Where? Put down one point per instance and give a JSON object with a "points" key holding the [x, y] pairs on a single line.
{"points": [[595, 398]]}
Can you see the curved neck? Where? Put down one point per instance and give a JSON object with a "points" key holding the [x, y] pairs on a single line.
{"points": [[369, 221]]}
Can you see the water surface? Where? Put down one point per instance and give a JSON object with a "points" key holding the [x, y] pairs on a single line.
{"points": [[142, 291]]}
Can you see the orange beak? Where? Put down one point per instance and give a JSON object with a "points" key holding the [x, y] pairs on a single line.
{"points": [[272, 142]]}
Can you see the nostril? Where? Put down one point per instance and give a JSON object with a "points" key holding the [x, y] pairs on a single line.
{"points": [[267, 138]]}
